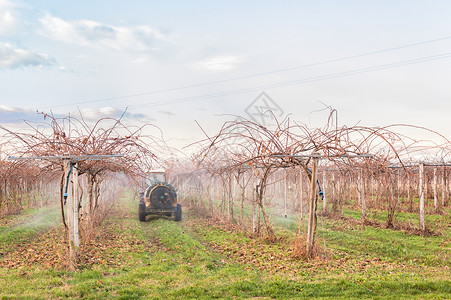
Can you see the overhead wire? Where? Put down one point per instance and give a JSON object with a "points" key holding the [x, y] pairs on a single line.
{"points": [[295, 82], [252, 75]]}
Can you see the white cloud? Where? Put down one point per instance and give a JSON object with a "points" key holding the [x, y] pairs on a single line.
{"points": [[220, 63], [98, 35], [93, 114], [166, 112], [16, 115], [11, 58], [9, 19]]}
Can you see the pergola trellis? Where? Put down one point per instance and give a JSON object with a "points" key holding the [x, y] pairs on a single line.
{"points": [[250, 143], [70, 165], [314, 181], [420, 165]]}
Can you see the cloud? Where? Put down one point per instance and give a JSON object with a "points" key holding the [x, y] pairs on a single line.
{"points": [[9, 19], [97, 113], [93, 114], [101, 36], [220, 63], [164, 112], [15, 115], [11, 58]]}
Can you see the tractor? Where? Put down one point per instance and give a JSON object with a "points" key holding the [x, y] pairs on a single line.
{"points": [[160, 198]]}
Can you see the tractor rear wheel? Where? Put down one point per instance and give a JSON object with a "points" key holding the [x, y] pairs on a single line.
{"points": [[178, 213], [142, 212]]}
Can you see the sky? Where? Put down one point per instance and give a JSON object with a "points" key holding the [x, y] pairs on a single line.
{"points": [[177, 64]]}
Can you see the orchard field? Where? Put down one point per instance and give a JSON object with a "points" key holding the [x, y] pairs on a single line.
{"points": [[268, 212], [201, 258]]}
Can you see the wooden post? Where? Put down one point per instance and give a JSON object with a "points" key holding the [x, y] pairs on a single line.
{"points": [[199, 193], [285, 193], [5, 189], [243, 196], [20, 191], [435, 190], [254, 202], [358, 187], [398, 185], [301, 194], [276, 190], [324, 191], [362, 194], [235, 184], [409, 199], [75, 205], [340, 193], [312, 212], [443, 187], [296, 197], [425, 186], [421, 192], [372, 189], [69, 213], [334, 203], [212, 189], [229, 203], [88, 204]]}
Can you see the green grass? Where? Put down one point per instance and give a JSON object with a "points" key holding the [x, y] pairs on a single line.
{"points": [[29, 224], [195, 259], [389, 244]]}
